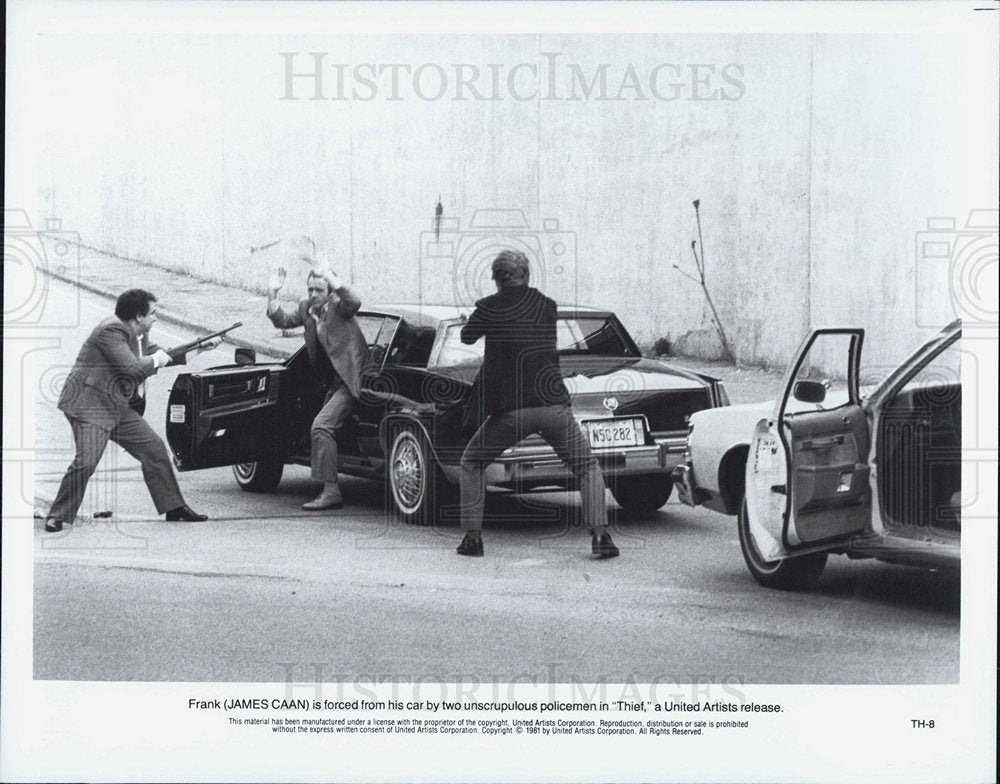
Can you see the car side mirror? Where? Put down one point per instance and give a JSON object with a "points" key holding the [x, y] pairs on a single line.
{"points": [[809, 391], [245, 356]]}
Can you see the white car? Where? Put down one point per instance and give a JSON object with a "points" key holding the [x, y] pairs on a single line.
{"points": [[831, 468]]}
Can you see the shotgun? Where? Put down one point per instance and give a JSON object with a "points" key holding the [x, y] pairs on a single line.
{"points": [[179, 351], [137, 402]]}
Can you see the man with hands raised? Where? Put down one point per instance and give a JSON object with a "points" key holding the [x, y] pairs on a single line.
{"points": [[338, 353]]}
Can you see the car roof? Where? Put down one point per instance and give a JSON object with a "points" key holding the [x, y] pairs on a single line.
{"points": [[430, 315]]}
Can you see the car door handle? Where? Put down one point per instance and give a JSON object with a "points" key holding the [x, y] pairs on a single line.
{"points": [[822, 443], [218, 390]]}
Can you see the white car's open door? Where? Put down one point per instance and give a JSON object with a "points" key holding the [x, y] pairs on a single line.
{"points": [[807, 472]]}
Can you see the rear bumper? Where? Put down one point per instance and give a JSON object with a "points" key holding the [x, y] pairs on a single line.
{"points": [[539, 465]]}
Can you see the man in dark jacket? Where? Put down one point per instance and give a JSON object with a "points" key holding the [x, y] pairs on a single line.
{"points": [[338, 353], [95, 399], [523, 393]]}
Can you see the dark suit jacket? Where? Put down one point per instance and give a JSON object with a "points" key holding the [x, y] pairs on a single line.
{"points": [[346, 347], [107, 371], [520, 367]]}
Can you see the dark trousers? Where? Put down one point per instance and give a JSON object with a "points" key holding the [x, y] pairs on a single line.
{"points": [[134, 435], [558, 427]]}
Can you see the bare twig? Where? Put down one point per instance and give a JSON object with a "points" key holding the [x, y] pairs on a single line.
{"points": [[701, 242], [699, 263], [686, 275]]}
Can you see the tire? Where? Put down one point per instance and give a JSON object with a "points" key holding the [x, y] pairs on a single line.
{"points": [[416, 487], [641, 494], [262, 476], [799, 573]]}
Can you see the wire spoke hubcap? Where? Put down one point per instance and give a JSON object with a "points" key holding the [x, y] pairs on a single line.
{"points": [[408, 473], [244, 470]]}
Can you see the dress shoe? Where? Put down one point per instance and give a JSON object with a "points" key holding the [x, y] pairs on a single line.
{"points": [[471, 545], [603, 547], [185, 514], [53, 526], [328, 499]]}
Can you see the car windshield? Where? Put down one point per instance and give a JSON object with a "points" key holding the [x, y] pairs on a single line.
{"points": [[598, 336]]}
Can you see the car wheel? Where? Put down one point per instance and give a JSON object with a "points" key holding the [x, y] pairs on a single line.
{"points": [[417, 488], [641, 493], [261, 476], [799, 573]]}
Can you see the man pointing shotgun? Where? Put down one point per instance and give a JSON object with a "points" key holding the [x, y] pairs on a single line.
{"points": [[95, 400]]}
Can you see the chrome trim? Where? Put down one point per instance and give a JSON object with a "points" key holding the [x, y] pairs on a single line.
{"points": [[546, 456], [675, 444], [540, 465], [683, 481], [543, 453]]}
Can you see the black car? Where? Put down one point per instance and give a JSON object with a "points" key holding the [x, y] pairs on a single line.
{"points": [[411, 424]]}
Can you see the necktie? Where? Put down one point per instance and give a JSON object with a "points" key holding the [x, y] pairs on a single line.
{"points": [[140, 390]]}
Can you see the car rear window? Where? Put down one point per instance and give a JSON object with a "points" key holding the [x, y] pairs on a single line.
{"points": [[598, 336]]}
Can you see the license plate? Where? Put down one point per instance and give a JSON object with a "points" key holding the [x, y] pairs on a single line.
{"points": [[604, 433]]}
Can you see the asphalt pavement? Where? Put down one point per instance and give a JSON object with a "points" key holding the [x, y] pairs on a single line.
{"points": [[264, 586]]}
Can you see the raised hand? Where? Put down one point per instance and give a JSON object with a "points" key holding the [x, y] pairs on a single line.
{"points": [[330, 276], [333, 278], [277, 281]]}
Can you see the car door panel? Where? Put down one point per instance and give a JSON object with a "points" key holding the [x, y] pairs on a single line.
{"points": [[829, 473], [222, 417]]}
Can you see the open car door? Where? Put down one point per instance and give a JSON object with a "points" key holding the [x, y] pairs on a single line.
{"points": [[826, 442], [808, 472], [224, 416]]}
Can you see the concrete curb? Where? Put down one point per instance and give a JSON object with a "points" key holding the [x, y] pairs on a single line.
{"points": [[179, 319]]}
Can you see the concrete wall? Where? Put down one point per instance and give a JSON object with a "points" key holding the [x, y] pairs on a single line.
{"points": [[816, 162]]}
